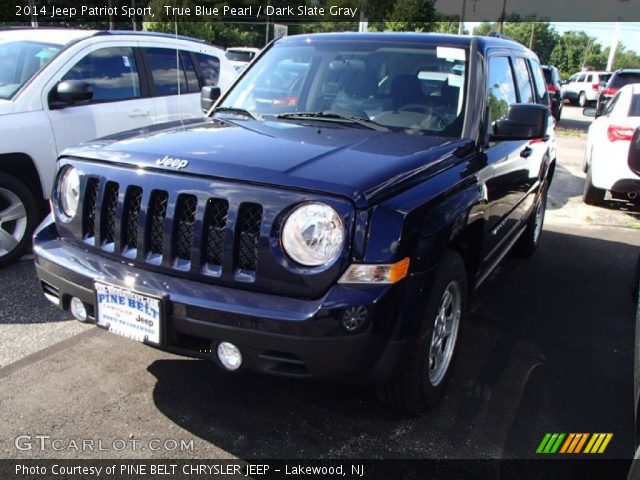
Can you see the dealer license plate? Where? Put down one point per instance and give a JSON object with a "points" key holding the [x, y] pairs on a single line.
{"points": [[128, 313]]}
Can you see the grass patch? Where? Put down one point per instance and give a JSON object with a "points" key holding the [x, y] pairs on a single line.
{"points": [[569, 132]]}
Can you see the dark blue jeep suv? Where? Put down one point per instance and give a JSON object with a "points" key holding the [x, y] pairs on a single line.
{"points": [[328, 219]]}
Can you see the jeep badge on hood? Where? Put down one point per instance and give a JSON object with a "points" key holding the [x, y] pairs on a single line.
{"points": [[171, 162]]}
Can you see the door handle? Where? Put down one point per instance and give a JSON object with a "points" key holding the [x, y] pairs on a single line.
{"points": [[139, 113], [526, 152]]}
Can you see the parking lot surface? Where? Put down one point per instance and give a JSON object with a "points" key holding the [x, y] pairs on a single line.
{"points": [[548, 347]]}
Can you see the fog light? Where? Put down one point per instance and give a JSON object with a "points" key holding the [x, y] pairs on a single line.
{"points": [[354, 318], [229, 355], [78, 310]]}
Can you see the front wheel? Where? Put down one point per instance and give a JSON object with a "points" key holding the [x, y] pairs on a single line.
{"points": [[421, 379], [530, 239], [582, 100], [19, 217]]}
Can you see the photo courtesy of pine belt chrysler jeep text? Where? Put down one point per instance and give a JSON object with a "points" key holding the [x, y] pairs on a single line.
{"points": [[328, 220]]}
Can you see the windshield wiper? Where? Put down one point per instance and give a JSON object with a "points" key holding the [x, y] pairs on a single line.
{"points": [[237, 111], [335, 117]]}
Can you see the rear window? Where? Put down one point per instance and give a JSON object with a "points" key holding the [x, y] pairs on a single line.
{"points": [[239, 56], [619, 80], [634, 110], [604, 77], [547, 75]]}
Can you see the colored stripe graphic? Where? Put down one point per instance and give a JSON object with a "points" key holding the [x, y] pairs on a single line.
{"points": [[573, 443]]}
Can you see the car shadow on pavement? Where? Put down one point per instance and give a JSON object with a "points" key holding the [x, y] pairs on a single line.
{"points": [[548, 347], [564, 186], [21, 298]]}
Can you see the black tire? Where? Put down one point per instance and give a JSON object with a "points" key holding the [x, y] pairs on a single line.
{"points": [[411, 390], [15, 236], [592, 195], [582, 100], [558, 112], [528, 242]]}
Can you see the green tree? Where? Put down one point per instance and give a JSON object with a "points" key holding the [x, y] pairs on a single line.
{"points": [[573, 51], [412, 15]]}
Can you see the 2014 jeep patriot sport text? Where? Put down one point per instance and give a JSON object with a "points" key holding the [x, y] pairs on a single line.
{"points": [[328, 219]]}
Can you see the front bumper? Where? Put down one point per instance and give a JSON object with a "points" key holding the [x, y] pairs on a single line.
{"points": [[276, 335]]}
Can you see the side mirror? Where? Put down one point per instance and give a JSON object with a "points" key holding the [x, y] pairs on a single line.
{"points": [[524, 121], [74, 91], [590, 112], [208, 97], [564, 82]]}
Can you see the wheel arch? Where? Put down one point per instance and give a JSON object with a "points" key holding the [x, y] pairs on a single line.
{"points": [[22, 166]]}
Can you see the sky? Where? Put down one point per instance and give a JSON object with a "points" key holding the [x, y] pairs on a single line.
{"points": [[603, 31]]}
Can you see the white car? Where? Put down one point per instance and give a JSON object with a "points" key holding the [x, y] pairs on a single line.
{"points": [[61, 87], [607, 151], [241, 56], [584, 87]]}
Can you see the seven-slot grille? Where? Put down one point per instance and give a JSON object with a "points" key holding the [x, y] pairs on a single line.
{"points": [[151, 214]]}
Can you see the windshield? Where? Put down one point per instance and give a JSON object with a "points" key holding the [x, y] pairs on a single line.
{"points": [[413, 88], [19, 61]]}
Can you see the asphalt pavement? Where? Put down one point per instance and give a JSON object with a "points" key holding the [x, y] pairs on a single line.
{"points": [[548, 347]]}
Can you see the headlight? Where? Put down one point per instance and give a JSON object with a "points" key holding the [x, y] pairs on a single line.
{"points": [[69, 191], [313, 235]]}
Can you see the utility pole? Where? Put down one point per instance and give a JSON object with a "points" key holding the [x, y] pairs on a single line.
{"points": [[502, 16], [462, 15], [266, 30], [34, 18], [133, 17], [533, 34], [364, 24], [112, 23], [614, 47]]}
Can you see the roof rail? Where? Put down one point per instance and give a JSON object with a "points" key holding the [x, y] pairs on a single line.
{"points": [[500, 35], [148, 34]]}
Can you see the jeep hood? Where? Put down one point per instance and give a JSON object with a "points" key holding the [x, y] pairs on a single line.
{"points": [[348, 161]]}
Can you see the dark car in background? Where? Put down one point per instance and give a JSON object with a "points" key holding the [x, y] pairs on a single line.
{"points": [[552, 77], [618, 79]]}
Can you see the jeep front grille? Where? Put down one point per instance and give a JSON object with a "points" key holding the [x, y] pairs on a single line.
{"points": [[215, 224], [132, 201], [109, 205], [155, 230], [185, 218], [249, 234], [197, 222], [90, 199]]}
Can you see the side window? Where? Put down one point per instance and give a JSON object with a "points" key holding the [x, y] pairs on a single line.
{"points": [[167, 72], [210, 67], [501, 89], [538, 77], [111, 72], [580, 78], [524, 81], [190, 71], [589, 78], [612, 105]]}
